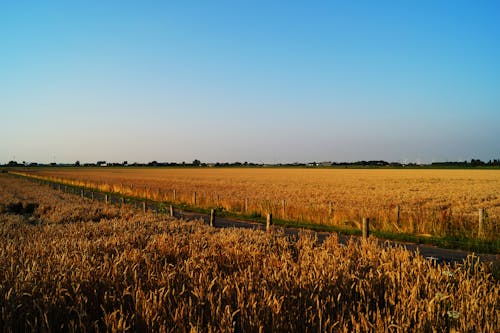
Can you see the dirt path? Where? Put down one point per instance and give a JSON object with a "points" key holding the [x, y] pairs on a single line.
{"points": [[430, 252]]}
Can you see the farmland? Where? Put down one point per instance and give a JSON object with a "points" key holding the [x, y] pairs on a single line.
{"points": [[72, 264], [438, 203]]}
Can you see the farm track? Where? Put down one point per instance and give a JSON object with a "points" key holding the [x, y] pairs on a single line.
{"points": [[439, 207], [437, 254], [427, 251]]}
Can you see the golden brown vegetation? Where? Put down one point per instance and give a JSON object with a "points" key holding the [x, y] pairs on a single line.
{"points": [[431, 202], [119, 270]]}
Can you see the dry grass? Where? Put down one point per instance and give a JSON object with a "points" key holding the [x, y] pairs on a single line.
{"points": [[432, 202], [141, 272]]}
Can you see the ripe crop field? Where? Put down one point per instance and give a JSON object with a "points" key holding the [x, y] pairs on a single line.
{"points": [[441, 203], [71, 264]]}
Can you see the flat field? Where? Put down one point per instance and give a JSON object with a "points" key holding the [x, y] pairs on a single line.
{"points": [[426, 202], [70, 264]]}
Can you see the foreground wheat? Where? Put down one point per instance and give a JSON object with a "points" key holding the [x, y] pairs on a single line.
{"points": [[68, 264]]}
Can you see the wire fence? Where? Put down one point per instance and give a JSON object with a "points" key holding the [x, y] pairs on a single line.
{"points": [[160, 203]]}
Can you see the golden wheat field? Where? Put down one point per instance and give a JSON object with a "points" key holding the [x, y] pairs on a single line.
{"points": [[70, 264], [428, 202]]}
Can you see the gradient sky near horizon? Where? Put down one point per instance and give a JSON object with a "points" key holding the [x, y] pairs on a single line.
{"points": [[261, 81]]}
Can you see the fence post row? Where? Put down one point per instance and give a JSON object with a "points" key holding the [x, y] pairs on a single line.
{"points": [[365, 221]]}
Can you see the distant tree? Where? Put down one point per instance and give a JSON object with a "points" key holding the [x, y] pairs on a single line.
{"points": [[477, 162], [77, 163], [196, 163]]}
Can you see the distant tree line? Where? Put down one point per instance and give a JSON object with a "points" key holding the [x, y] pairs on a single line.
{"points": [[472, 163], [197, 163]]}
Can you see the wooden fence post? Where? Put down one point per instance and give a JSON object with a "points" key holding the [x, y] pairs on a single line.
{"points": [[106, 199], [81, 193], [174, 196], [246, 205], [218, 200], [212, 217], [366, 227], [92, 195], [122, 201], [480, 233], [194, 198], [144, 206], [398, 212], [269, 221], [283, 208], [171, 210]]}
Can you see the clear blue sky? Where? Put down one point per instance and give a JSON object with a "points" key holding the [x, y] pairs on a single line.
{"points": [[262, 81]]}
